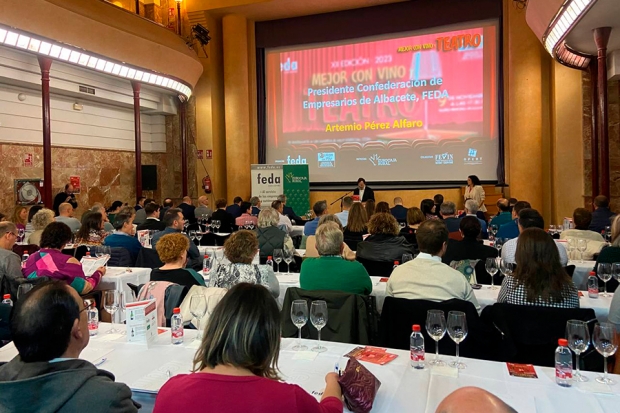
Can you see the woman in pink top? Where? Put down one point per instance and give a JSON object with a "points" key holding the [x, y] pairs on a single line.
{"points": [[235, 368], [246, 216]]}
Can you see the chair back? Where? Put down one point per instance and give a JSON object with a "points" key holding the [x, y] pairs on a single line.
{"points": [[376, 268], [351, 318], [5, 317], [25, 249], [529, 334], [399, 314], [120, 257], [167, 295], [148, 258]]}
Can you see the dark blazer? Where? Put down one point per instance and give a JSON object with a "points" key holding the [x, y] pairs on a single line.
{"points": [[601, 217], [226, 220], [368, 194], [151, 224], [255, 211], [383, 247], [288, 211], [234, 210], [400, 213], [468, 248], [61, 198], [188, 212]]}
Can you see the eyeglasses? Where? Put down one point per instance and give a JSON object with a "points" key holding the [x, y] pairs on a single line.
{"points": [[87, 305]]}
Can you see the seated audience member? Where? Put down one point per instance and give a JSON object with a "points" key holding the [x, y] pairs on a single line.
{"points": [[39, 222], [10, 263], [511, 229], [343, 216], [428, 209], [107, 225], [582, 219], [473, 399], [469, 248], [330, 271], [256, 205], [614, 311], [357, 226], [33, 210], [114, 209], [269, 236], [311, 249], [504, 215], [189, 210], [123, 235], [140, 203], [471, 210], [512, 202], [203, 210], [539, 278], [240, 250], [226, 220], [172, 250], [152, 221], [319, 208], [140, 217], [414, 218], [601, 217], [288, 211], [246, 215], [235, 367], [50, 329], [611, 253], [530, 218], [438, 200], [426, 277], [284, 223], [166, 206], [49, 261], [383, 243], [382, 207], [370, 208], [91, 232], [234, 209], [448, 214], [20, 217], [173, 220], [399, 211], [65, 211]]}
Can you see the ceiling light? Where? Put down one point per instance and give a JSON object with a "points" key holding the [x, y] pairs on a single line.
{"points": [[11, 38], [566, 17]]}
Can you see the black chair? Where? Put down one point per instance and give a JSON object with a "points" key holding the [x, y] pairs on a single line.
{"points": [[5, 317], [377, 268], [120, 257], [399, 314], [148, 258], [570, 270], [529, 334], [351, 319]]}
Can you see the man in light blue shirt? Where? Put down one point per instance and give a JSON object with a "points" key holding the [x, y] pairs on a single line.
{"points": [[320, 209], [347, 203]]}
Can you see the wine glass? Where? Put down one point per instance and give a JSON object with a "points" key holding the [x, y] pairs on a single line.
{"points": [[506, 268], [457, 330], [287, 255], [608, 233], [299, 316], [127, 297], [436, 328], [277, 257], [199, 235], [185, 226], [402, 225], [552, 230], [192, 234], [498, 243], [606, 343], [582, 245], [407, 257], [615, 271], [572, 247], [318, 318], [111, 302], [20, 233], [603, 270], [578, 338], [216, 224], [491, 266], [493, 230], [198, 308], [23, 289]]}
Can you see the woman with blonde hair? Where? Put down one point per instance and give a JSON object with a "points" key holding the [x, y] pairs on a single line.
{"points": [[269, 236], [20, 217], [40, 221], [172, 251], [236, 365], [312, 252], [356, 226]]}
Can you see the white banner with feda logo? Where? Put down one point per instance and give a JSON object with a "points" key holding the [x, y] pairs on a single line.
{"points": [[267, 182]]}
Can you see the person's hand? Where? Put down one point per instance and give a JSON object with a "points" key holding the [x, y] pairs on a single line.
{"points": [[101, 270], [332, 387], [331, 376]]}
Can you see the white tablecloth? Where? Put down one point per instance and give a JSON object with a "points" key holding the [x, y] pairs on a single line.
{"points": [[403, 389], [220, 254], [116, 278], [297, 230]]}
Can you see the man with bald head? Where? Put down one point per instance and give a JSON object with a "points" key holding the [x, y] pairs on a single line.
{"points": [[203, 207], [473, 399], [188, 209], [504, 216], [66, 217]]}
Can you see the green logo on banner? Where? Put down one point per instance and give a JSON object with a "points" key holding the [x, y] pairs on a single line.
{"points": [[297, 187]]}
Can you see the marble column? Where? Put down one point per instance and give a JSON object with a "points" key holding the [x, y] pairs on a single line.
{"points": [[138, 137], [601, 38], [45, 64]]}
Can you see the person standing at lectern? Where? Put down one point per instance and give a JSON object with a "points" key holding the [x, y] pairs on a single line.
{"points": [[365, 192]]}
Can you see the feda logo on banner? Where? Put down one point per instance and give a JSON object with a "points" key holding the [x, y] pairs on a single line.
{"points": [[266, 182]]}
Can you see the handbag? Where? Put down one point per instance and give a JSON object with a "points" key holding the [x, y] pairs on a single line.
{"points": [[359, 387]]}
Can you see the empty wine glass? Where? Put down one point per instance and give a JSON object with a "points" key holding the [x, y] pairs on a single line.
{"points": [[436, 328], [578, 338], [185, 226], [402, 225], [287, 255], [606, 343], [20, 233], [582, 245], [127, 297], [198, 308], [23, 289], [457, 330], [493, 230], [199, 235], [277, 257], [572, 247], [111, 302], [299, 316], [318, 318], [603, 270], [506, 267], [615, 271], [491, 266], [552, 230], [608, 233], [498, 243], [216, 224], [407, 257], [192, 234]]}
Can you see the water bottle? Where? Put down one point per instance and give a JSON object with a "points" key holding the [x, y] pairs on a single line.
{"points": [[417, 348], [93, 321], [206, 265], [563, 364], [269, 261], [176, 326], [395, 265], [24, 259], [6, 299], [592, 285]]}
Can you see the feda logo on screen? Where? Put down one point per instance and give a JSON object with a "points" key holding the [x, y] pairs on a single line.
{"points": [[288, 66], [296, 161]]}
